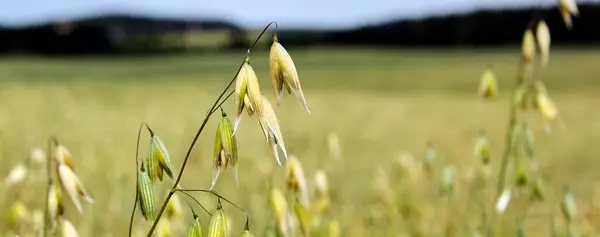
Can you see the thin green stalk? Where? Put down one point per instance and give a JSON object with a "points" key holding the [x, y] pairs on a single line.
{"points": [[51, 141], [204, 122], [214, 194], [137, 167]]}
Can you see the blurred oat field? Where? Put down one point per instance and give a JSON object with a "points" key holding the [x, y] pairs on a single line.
{"points": [[381, 103]]}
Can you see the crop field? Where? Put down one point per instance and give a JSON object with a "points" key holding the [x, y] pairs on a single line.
{"points": [[382, 105]]}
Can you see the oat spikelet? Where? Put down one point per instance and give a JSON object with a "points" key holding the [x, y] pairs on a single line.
{"points": [[159, 159], [16, 175], [146, 194], [270, 127], [284, 74], [543, 39], [568, 206], [488, 88], [296, 181], [280, 210], [528, 47], [218, 224], [247, 93], [63, 156], [73, 186], [55, 204], [196, 228], [67, 229], [225, 151], [567, 9]]}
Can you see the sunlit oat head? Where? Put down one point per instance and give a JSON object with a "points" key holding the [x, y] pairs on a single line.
{"points": [[174, 208], [164, 228], [37, 156], [488, 87], [16, 175], [67, 229], [63, 156], [253, 88], [567, 9], [280, 210], [296, 182], [196, 228], [568, 206], [225, 149], [482, 149], [503, 201], [528, 47], [241, 96], [546, 107], [147, 197], [18, 214], [159, 159], [284, 74], [544, 41], [270, 127], [73, 186], [333, 142], [55, 203], [218, 224], [321, 183], [302, 217]]}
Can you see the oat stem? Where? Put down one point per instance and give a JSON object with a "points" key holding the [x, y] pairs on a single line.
{"points": [[51, 141], [137, 149], [218, 102]]}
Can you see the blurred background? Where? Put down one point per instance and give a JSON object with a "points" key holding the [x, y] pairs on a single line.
{"points": [[387, 82]]}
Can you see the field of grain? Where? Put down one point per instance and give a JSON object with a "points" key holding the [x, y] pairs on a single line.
{"points": [[381, 103]]}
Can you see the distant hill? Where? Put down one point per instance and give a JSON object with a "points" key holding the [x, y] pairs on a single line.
{"points": [[478, 28], [116, 34]]}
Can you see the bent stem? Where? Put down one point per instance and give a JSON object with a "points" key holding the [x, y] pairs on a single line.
{"points": [[211, 111], [137, 149], [51, 141]]}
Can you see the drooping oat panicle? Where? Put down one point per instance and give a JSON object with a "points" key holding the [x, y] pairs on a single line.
{"points": [[73, 186], [538, 189], [284, 74], [279, 206], [196, 228], [528, 47], [164, 228], [37, 156], [334, 229], [18, 214], [447, 185], [174, 209], [567, 9], [146, 194], [528, 141], [543, 40], [568, 206], [159, 159], [296, 181], [63, 156], [302, 217], [270, 127], [430, 157], [225, 150], [503, 201], [546, 107], [482, 149], [333, 141], [67, 229], [247, 233], [488, 88], [218, 224], [247, 92], [16, 175], [55, 204], [321, 184]]}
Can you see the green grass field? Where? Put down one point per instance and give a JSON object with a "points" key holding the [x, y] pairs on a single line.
{"points": [[381, 102]]}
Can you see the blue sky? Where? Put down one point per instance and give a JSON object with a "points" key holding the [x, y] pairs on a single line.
{"points": [[254, 13]]}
